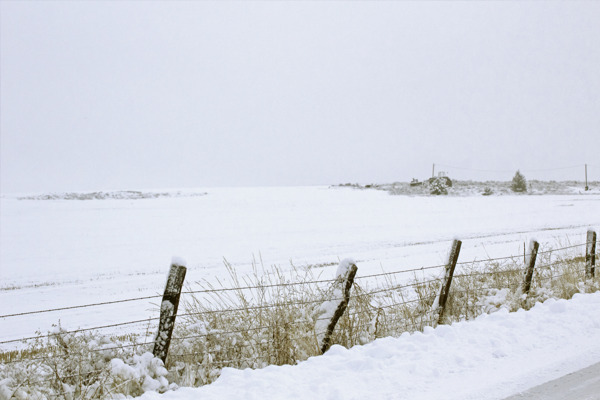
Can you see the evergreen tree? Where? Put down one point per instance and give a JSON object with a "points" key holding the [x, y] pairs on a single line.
{"points": [[519, 184], [438, 186]]}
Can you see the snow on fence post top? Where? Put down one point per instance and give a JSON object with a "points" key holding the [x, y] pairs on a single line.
{"points": [[532, 248], [344, 267], [175, 260]]}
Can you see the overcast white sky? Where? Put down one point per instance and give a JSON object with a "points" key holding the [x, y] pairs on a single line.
{"points": [[125, 95]]}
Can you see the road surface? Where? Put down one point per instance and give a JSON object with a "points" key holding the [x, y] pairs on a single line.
{"points": [[581, 385]]}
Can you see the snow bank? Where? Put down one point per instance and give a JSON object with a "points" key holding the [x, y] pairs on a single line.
{"points": [[491, 357]]}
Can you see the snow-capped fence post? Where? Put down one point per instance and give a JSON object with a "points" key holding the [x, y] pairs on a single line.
{"points": [[533, 251], [331, 310], [168, 308], [590, 255], [452, 259]]}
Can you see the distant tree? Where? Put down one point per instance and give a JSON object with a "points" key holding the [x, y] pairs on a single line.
{"points": [[519, 184], [438, 186]]}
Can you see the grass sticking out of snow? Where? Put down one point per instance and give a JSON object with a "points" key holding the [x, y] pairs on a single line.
{"points": [[269, 318], [272, 322], [83, 365]]}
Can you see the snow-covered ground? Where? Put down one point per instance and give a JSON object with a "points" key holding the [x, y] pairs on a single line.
{"points": [[492, 357], [58, 253]]}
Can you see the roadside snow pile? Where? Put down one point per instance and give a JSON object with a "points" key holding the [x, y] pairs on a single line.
{"points": [[148, 371], [82, 366], [491, 357]]}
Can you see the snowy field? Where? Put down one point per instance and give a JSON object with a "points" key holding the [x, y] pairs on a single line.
{"points": [[59, 253]]}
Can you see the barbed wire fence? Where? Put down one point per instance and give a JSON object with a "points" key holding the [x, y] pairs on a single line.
{"points": [[272, 319]]}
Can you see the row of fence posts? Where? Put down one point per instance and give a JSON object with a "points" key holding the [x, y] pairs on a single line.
{"points": [[343, 283]]}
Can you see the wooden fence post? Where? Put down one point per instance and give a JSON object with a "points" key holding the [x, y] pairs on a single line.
{"points": [[168, 309], [533, 251], [452, 259], [590, 255], [331, 310]]}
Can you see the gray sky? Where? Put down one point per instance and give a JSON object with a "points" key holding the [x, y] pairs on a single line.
{"points": [[121, 95]]}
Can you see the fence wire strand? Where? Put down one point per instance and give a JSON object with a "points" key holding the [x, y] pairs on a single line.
{"points": [[270, 285], [562, 248], [394, 288], [399, 272], [122, 346], [79, 306], [95, 328]]}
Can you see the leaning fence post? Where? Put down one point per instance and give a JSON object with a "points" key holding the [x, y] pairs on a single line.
{"points": [[590, 255], [168, 308], [533, 251], [452, 259], [331, 310]]}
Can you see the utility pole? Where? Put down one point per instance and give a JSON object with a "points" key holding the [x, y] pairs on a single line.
{"points": [[586, 185]]}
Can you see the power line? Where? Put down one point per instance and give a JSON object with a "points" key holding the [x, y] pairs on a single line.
{"points": [[511, 171]]}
